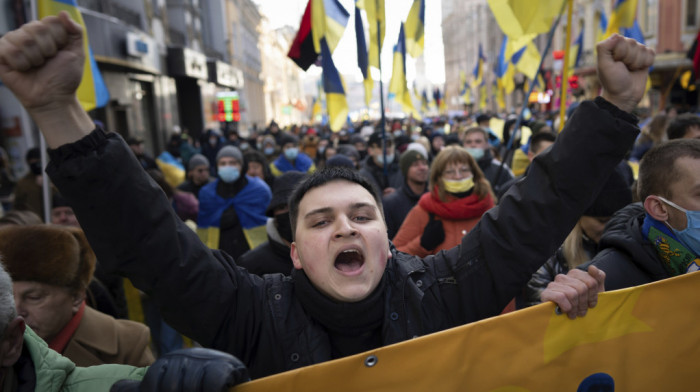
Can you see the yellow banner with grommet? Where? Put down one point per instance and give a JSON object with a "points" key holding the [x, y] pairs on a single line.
{"points": [[638, 339]]}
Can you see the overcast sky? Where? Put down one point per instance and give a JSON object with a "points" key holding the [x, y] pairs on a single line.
{"points": [[289, 12]]}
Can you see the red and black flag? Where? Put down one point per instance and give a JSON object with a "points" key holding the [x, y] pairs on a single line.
{"points": [[302, 51]]}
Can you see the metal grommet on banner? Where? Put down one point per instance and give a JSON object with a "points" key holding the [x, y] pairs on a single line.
{"points": [[371, 361]]}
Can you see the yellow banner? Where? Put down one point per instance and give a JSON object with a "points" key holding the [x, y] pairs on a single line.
{"points": [[642, 339]]}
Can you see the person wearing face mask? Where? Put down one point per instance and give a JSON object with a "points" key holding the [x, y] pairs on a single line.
{"points": [[273, 256], [291, 158], [28, 193], [232, 208], [476, 143], [459, 194], [372, 167], [659, 237]]}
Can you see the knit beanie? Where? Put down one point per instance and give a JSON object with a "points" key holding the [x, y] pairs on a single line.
{"points": [[616, 193], [55, 255], [198, 160], [282, 188], [230, 152], [408, 158], [287, 138]]}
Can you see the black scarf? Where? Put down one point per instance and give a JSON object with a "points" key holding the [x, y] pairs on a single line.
{"points": [[353, 327]]}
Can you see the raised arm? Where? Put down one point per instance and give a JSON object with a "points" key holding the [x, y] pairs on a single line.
{"points": [[42, 64]]}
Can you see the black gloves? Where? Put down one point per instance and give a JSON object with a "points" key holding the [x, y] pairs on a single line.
{"points": [[189, 370], [433, 234]]}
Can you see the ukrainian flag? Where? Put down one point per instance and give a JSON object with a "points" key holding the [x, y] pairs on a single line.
{"points": [[377, 25], [518, 18], [505, 69], [250, 205], [362, 58], [92, 92], [336, 102], [415, 30], [172, 169], [478, 72], [622, 16], [398, 84], [602, 25], [576, 51], [527, 60], [328, 20], [464, 92]]}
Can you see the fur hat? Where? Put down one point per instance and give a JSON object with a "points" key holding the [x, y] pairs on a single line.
{"points": [[55, 255]]}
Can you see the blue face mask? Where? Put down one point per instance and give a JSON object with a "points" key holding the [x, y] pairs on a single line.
{"points": [[476, 153], [269, 150], [690, 236], [291, 153], [229, 174]]}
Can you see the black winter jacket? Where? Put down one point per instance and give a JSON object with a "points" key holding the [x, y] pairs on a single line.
{"points": [[396, 207], [204, 295], [375, 174], [627, 258], [271, 257]]}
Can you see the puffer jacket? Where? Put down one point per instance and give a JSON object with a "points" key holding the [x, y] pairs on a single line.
{"points": [[41, 369], [204, 295], [627, 258]]}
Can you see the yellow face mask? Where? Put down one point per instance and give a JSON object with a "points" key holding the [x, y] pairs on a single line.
{"points": [[459, 186]]}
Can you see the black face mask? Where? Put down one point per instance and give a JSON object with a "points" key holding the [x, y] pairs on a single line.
{"points": [[284, 226], [35, 167]]}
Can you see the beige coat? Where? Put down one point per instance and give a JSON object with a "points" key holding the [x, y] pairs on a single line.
{"points": [[102, 339]]}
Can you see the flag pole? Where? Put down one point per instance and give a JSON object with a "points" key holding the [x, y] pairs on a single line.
{"points": [[381, 97], [565, 71], [45, 190]]}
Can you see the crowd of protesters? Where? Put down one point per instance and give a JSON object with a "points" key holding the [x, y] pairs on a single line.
{"points": [[352, 240]]}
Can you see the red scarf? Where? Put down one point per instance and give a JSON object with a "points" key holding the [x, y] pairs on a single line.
{"points": [[61, 340], [455, 209]]}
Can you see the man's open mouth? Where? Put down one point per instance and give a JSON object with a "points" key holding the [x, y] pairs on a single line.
{"points": [[349, 260]]}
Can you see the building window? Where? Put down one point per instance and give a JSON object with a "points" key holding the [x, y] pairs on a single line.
{"points": [[691, 13], [651, 17]]}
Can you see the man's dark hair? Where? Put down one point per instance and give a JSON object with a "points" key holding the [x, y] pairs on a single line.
{"points": [[323, 177], [538, 138], [679, 126], [658, 169]]}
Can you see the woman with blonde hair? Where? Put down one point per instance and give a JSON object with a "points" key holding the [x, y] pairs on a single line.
{"points": [[459, 195]]}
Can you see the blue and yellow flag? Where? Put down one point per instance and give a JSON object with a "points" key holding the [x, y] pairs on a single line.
{"points": [[362, 58], [328, 20], [519, 18], [415, 30], [424, 102], [622, 16], [92, 92], [576, 51], [601, 26], [398, 85], [527, 60], [250, 205], [465, 91], [377, 26], [336, 102], [172, 169], [639, 339], [478, 72], [505, 70]]}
